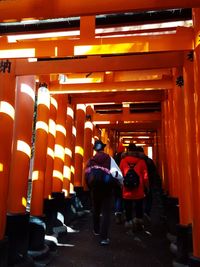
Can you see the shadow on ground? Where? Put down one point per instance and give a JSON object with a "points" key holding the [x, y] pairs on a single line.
{"points": [[149, 248]]}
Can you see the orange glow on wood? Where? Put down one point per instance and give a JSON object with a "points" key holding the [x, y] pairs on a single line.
{"points": [[110, 87], [182, 40], [7, 96], [40, 153], [137, 117], [98, 63], [80, 122], [69, 150], [59, 144], [58, 8], [50, 145], [20, 162]]}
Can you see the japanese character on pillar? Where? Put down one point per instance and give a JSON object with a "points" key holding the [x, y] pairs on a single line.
{"points": [[5, 65]]}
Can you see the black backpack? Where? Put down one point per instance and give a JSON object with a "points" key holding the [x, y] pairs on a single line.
{"points": [[131, 179], [98, 178]]}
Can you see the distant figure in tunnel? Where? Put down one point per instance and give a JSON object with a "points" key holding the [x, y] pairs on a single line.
{"points": [[102, 180]]}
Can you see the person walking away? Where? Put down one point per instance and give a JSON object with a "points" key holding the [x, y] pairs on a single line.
{"points": [[101, 184], [133, 167]]}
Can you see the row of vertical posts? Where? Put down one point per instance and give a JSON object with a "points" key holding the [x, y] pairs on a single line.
{"points": [[61, 147], [180, 148]]}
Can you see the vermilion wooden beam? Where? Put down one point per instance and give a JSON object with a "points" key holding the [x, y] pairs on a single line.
{"points": [[56, 88], [132, 117], [136, 126], [182, 40], [118, 97], [58, 8], [98, 63]]}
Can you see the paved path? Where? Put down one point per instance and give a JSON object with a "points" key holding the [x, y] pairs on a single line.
{"points": [[149, 248]]}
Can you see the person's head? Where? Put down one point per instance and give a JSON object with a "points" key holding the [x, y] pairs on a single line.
{"points": [[140, 149], [132, 147], [99, 145]]}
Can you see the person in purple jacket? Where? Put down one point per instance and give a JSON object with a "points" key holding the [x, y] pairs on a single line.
{"points": [[101, 184]]}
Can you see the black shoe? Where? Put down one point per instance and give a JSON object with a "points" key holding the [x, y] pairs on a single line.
{"points": [[105, 242]]}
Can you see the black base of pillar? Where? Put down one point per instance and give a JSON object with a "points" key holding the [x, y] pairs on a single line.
{"points": [[171, 212], [4, 252], [194, 262], [83, 197], [184, 243], [38, 249], [70, 213], [50, 212], [37, 234], [17, 231]]}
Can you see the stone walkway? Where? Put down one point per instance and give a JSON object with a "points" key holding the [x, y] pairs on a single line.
{"points": [[149, 248]]}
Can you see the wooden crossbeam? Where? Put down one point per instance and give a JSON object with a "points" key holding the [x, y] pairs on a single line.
{"points": [[182, 40], [129, 118], [141, 126], [18, 9], [119, 97], [98, 63], [56, 88]]}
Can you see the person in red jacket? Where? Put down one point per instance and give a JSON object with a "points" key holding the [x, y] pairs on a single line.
{"points": [[134, 196]]}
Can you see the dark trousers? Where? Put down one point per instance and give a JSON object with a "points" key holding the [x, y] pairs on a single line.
{"points": [[101, 205], [148, 202], [138, 205], [118, 200]]}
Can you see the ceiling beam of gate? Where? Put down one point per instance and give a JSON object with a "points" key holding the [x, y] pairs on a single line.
{"points": [[19, 9], [56, 88], [111, 63], [119, 97], [182, 40]]}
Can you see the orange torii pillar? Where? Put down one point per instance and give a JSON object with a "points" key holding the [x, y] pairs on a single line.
{"points": [[40, 151], [195, 260], [104, 138], [164, 170], [88, 134], [111, 142], [172, 151], [50, 148], [80, 123], [72, 168], [171, 199], [18, 217], [69, 148], [7, 113], [96, 133], [59, 150], [182, 163], [188, 75], [157, 149]]}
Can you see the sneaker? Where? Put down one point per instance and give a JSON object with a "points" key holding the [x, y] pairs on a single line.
{"points": [[105, 242]]}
